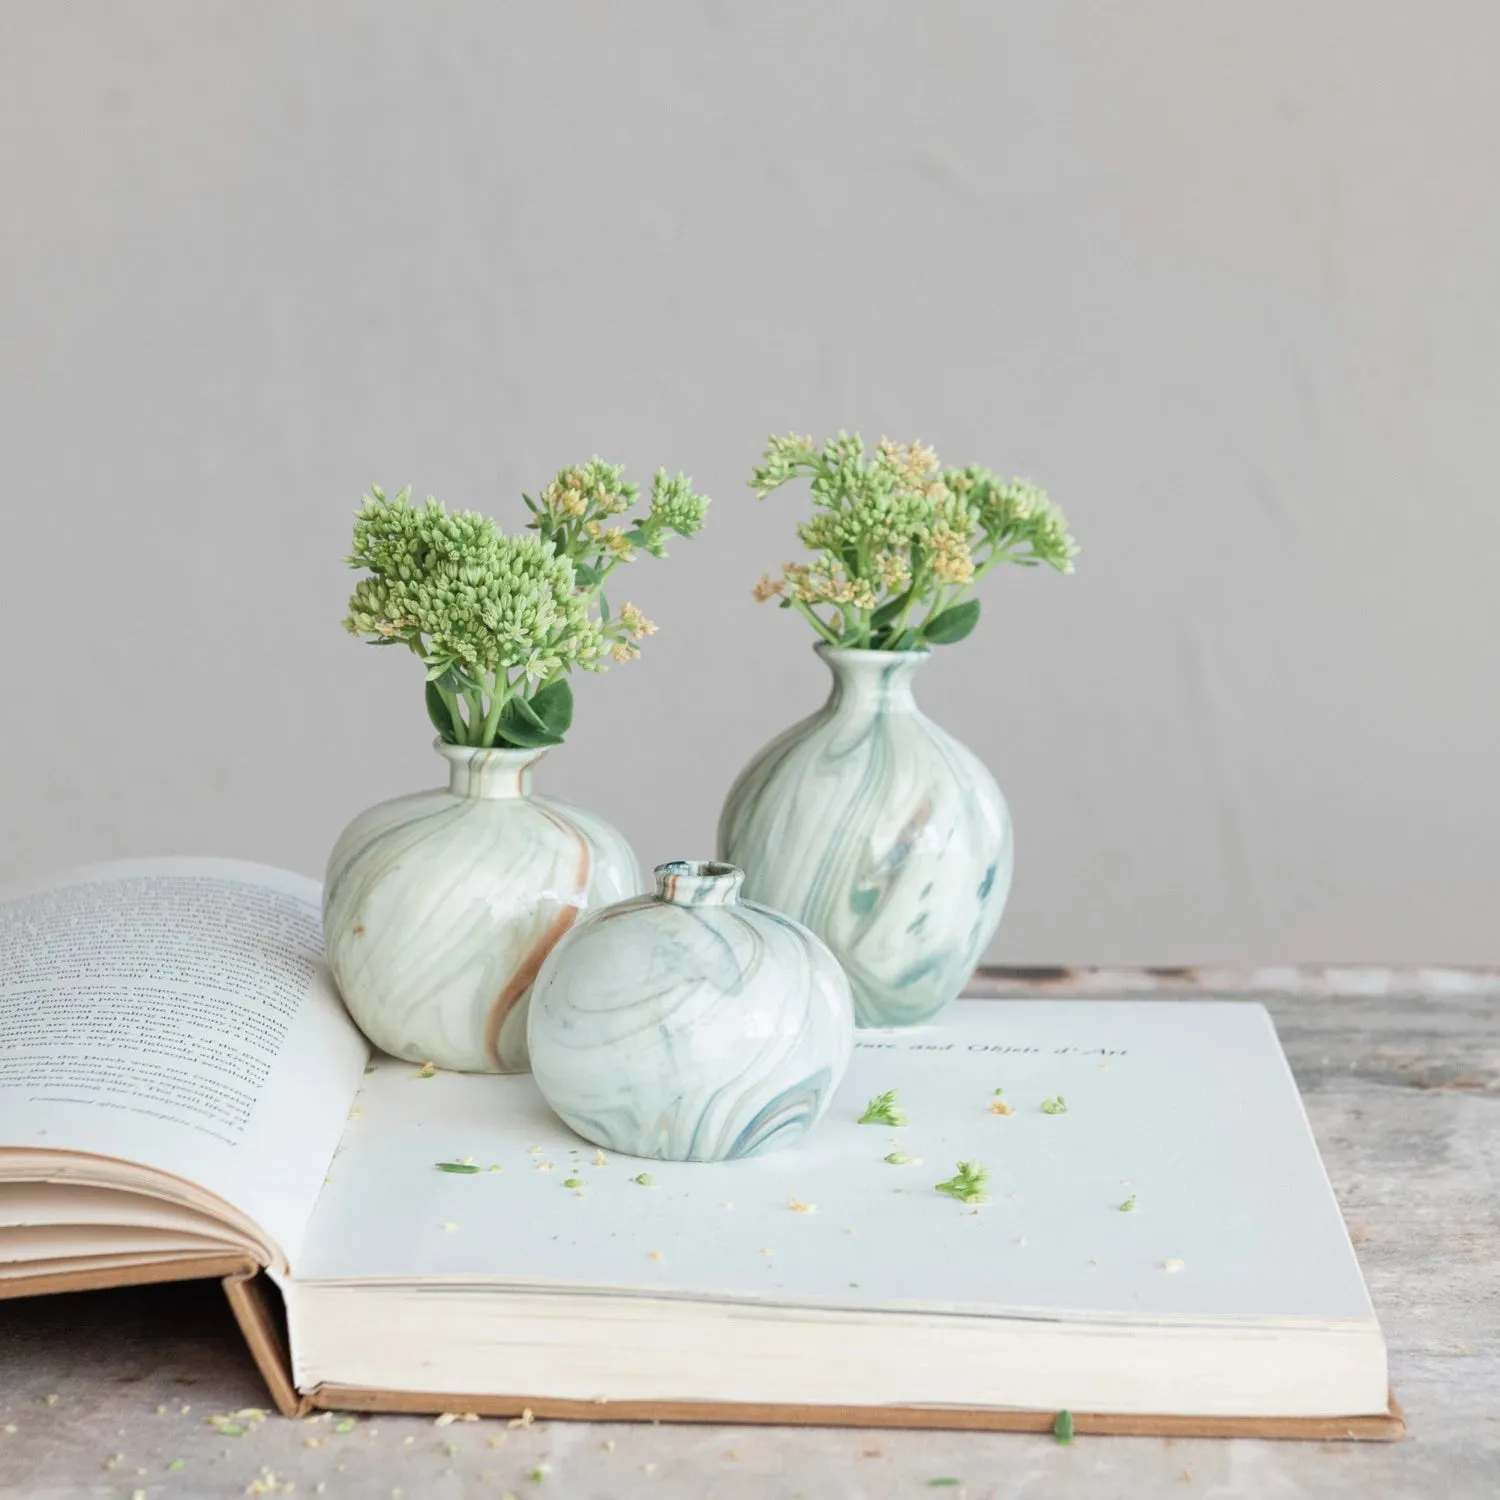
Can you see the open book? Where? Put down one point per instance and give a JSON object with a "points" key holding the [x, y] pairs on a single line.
{"points": [[1158, 1249]]}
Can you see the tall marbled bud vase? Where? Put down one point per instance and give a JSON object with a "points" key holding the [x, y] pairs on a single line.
{"points": [[882, 833], [690, 1025], [438, 908]]}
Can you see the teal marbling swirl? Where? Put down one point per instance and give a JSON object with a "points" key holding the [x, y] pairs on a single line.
{"points": [[882, 833], [438, 908], [690, 1025]]}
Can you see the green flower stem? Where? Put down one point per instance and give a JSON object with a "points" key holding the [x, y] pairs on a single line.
{"points": [[499, 693], [450, 702], [940, 601], [917, 587], [828, 634], [475, 702], [999, 552]]}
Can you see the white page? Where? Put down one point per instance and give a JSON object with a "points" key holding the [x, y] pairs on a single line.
{"points": [[50, 1205], [65, 1242], [1188, 1106], [177, 1013]]}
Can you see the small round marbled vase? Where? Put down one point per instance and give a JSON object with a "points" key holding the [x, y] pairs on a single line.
{"points": [[690, 1025]]}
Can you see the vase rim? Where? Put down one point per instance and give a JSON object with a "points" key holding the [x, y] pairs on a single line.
{"points": [[698, 882], [859, 653], [503, 754]]}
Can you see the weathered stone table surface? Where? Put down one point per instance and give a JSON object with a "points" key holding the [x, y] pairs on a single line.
{"points": [[108, 1394]]}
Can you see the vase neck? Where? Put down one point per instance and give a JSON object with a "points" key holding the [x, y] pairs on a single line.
{"points": [[490, 774], [873, 680], [686, 882]]}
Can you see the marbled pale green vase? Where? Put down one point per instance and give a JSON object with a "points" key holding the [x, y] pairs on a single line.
{"points": [[439, 908], [880, 832], [690, 1025]]}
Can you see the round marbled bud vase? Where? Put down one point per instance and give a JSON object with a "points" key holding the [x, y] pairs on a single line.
{"points": [[439, 908], [690, 1025], [879, 830]]}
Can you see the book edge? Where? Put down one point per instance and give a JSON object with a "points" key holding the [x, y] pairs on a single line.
{"points": [[193, 1268], [1387, 1426], [250, 1300]]}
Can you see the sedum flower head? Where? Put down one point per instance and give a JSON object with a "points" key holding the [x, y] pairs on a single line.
{"points": [[575, 509], [949, 555], [786, 458], [825, 582], [1018, 511], [594, 486], [635, 624], [501, 620], [915, 463], [465, 594], [878, 517], [674, 507], [898, 539]]}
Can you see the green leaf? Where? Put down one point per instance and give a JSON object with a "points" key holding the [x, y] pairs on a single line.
{"points": [[953, 624], [453, 679], [387, 640], [637, 537], [523, 727], [904, 642], [1062, 1428], [553, 707], [603, 609], [889, 610], [437, 711], [529, 503], [467, 1168], [587, 576]]}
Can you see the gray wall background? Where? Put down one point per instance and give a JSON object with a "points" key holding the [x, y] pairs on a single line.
{"points": [[1226, 279]]}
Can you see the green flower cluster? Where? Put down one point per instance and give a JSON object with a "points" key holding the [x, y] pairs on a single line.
{"points": [[467, 594], [498, 620], [899, 540], [572, 512]]}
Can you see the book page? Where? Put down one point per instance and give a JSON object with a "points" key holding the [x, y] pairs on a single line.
{"points": [[1176, 1178], [177, 1014]]}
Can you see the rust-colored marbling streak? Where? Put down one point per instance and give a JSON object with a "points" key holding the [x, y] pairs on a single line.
{"points": [[526, 971]]}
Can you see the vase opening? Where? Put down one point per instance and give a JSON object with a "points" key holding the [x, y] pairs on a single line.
{"points": [[873, 679], [691, 882], [494, 773]]}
